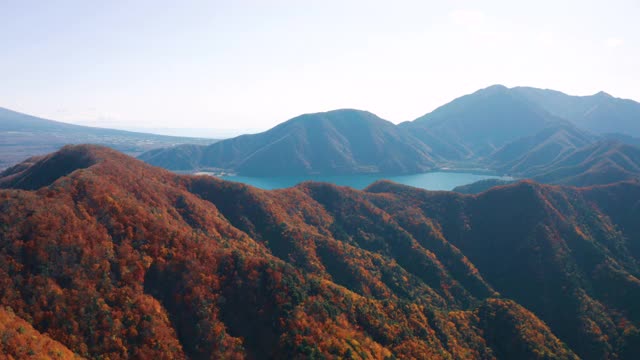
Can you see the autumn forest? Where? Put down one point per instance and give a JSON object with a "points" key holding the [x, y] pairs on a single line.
{"points": [[103, 256]]}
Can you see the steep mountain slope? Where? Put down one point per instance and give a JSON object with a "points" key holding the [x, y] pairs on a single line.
{"points": [[600, 163], [600, 113], [557, 157], [480, 123], [180, 157], [120, 259], [23, 136], [335, 142], [553, 250], [540, 149]]}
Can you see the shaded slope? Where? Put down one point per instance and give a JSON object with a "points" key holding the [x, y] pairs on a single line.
{"points": [[600, 163], [550, 249], [180, 157], [566, 155], [505, 325], [335, 142], [482, 122], [121, 259], [539, 149], [557, 160]]}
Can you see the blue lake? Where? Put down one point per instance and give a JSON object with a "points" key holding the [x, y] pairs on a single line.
{"points": [[429, 181]]}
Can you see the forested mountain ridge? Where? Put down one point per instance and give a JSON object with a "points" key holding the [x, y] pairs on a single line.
{"points": [[113, 257], [541, 148]]}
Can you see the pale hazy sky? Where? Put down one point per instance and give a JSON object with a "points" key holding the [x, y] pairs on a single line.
{"points": [[251, 64]]}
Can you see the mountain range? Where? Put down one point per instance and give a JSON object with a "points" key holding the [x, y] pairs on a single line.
{"points": [[102, 255], [23, 136], [524, 132]]}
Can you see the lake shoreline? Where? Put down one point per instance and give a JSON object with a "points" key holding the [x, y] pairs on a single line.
{"points": [[222, 173], [442, 180]]}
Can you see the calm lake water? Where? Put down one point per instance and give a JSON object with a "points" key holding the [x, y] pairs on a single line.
{"points": [[429, 181]]}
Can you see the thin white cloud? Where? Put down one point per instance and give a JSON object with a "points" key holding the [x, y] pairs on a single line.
{"points": [[614, 42]]}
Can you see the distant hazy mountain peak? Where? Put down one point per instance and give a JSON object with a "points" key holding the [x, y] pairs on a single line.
{"points": [[600, 113], [603, 94], [344, 111], [477, 124], [336, 115], [495, 87]]}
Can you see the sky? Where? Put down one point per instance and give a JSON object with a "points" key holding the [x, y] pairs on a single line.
{"points": [[245, 66]]}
